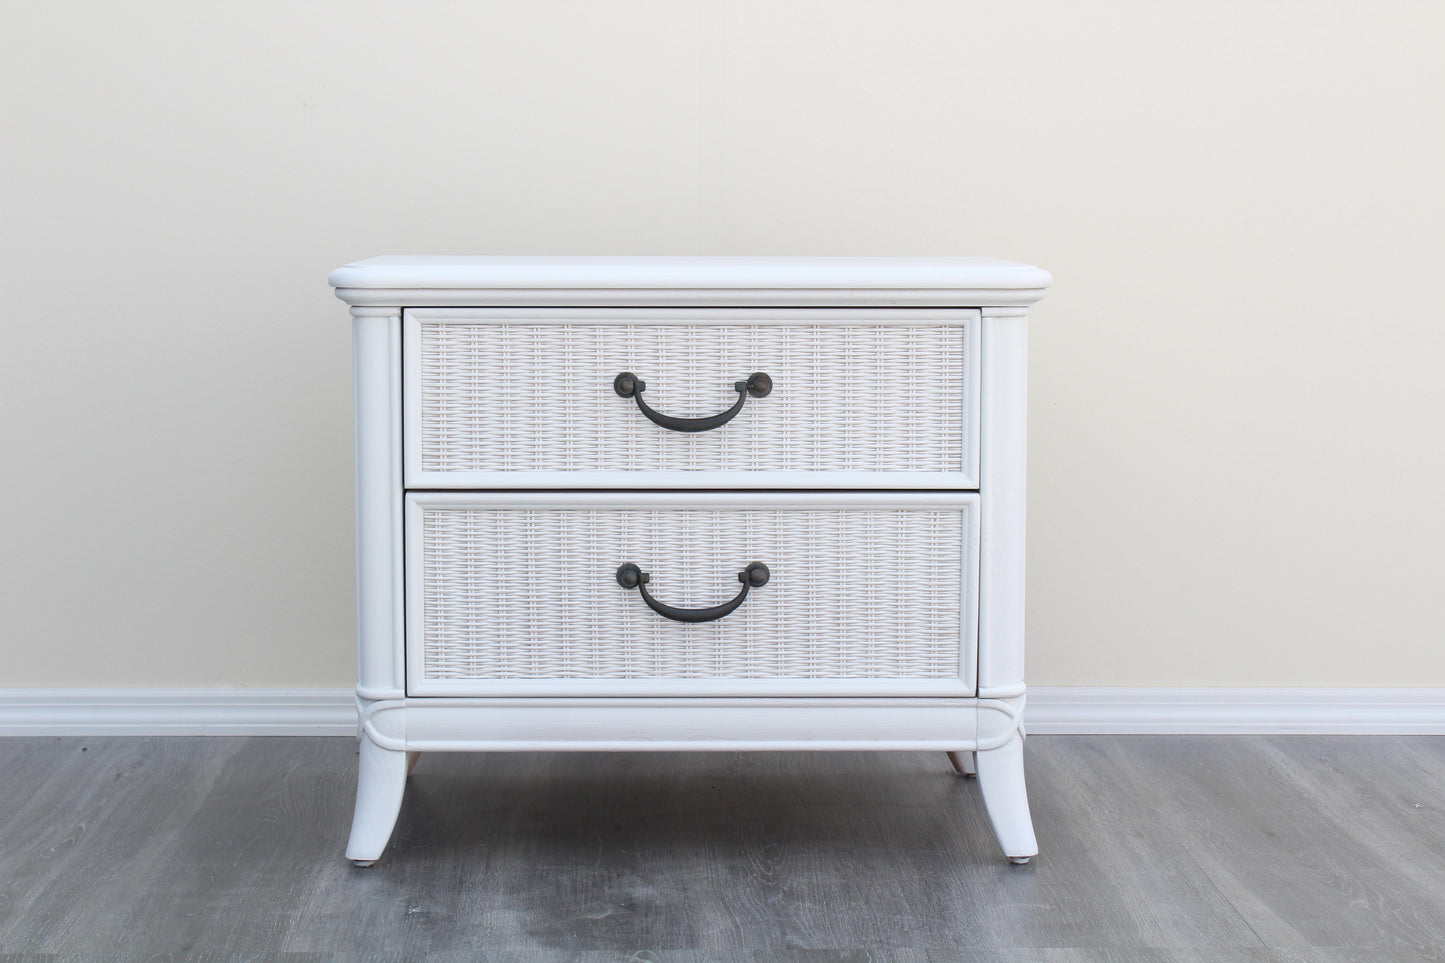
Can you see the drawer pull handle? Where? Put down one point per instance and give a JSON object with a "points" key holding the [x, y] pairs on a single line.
{"points": [[628, 385], [629, 576]]}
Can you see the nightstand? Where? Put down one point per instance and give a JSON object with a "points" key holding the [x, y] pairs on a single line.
{"points": [[690, 504]]}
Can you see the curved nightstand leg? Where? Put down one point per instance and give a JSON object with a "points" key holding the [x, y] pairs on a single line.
{"points": [[1001, 777], [380, 781], [963, 763]]}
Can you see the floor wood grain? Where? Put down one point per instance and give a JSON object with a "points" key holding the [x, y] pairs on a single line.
{"points": [[1298, 849]]}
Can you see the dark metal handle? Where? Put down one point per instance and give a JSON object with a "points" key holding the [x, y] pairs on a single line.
{"points": [[629, 576], [628, 385]]}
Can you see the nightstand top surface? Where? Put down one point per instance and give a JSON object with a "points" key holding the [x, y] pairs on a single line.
{"points": [[964, 281]]}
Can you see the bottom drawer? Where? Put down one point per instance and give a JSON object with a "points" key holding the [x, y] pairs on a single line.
{"points": [[520, 594]]}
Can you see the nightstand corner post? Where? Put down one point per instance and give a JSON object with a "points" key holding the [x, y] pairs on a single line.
{"points": [[1003, 468], [379, 624], [380, 669]]}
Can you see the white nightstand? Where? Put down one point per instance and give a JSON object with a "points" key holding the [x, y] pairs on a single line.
{"points": [[690, 503]]}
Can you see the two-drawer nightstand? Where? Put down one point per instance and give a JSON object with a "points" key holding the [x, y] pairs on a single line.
{"points": [[690, 503]]}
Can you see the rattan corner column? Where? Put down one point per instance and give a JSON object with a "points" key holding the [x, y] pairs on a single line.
{"points": [[624, 504]]}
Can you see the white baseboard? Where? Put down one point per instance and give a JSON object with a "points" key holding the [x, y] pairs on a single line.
{"points": [[1081, 710], [1052, 710], [177, 712]]}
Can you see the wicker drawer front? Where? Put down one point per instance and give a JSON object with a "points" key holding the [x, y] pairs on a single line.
{"points": [[518, 595], [860, 399]]}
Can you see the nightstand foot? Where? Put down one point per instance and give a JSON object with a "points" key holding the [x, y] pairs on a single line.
{"points": [[1001, 777], [380, 782], [963, 763], [1020, 860], [363, 863]]}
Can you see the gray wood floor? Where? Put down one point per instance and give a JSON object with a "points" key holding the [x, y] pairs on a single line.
{"points": [[1290, 848]]}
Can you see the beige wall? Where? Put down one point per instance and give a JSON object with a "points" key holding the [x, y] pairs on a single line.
{"points": [[1237, 380]]}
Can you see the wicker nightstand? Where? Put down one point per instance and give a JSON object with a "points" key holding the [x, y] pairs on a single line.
{"points": [[690, 503]]}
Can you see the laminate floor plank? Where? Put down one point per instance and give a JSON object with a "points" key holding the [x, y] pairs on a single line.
{"points": [[1105, 875], [1289, 849], [70, 856], [236, 870], [1377, 790], [1299, 868]]}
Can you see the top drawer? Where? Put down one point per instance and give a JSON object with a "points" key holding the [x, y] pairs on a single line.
{"points": [[523, 398]]}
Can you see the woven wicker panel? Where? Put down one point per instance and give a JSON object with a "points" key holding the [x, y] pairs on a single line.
{"points": [[532, 594], [869, 397]]}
